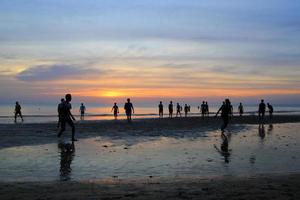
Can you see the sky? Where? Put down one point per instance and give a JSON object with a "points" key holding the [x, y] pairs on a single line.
{"points": [[107, 50]]}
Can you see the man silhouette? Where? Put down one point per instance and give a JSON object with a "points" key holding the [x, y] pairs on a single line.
{"points": [[18, 111], [82, 111], [179, 108], [67, 117], [128, 109], [186, 110], [261, 110], [271, 110], [225, 112], [171, 109], [160, 109], [59, 111], [241, 109], [115, 109]]}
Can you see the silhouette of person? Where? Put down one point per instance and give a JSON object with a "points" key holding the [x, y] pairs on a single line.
{"points": [[241, 109], [206, 109], [224, 150], [128, 109], [186, 110], [59, 111], [171, 109], [271, 110], [261, 110], [203, 109], [67, 117], [115, 109], [82, 111], [270, 129], [18, 111], [231, 110], [67, 154], [179, 108], [160, 109], [225, 112]]}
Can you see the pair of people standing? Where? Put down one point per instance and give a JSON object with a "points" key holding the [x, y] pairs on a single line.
{"points": [[128, 107], [262, 110]]}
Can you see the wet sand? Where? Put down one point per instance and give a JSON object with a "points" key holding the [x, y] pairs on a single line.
{"points": [[234, 188], [42, 133], [170, 159]]}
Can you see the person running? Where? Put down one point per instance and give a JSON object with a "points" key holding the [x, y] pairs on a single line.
{"points": [[128, 109], [18, 111], [59, 111], [241, 109], [225, 112], [161, 110], [171, 109], [186, 110], [115, 109], [271, 110], [261, 110], [82, 111], [179, 108], [67, 117]]}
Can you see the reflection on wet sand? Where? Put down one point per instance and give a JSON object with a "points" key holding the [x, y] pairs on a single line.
{"points": [[261, 131], [224, 150], [67, 154], [270, 129]]}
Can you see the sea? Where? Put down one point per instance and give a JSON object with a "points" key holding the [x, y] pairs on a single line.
{"points": [[48, 113]]}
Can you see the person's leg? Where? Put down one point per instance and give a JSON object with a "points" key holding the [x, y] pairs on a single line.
{"points": [[62, 127], [16, 117], [70, 122]]}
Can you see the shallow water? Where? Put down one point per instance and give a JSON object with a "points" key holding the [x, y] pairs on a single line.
{"points": [[252, 151]]}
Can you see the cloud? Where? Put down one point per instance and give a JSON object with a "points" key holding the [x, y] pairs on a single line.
{"points": [[55, 72]]}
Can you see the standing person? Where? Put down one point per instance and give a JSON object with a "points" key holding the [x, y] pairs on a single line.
{"points": [[128, 109], [18, 111], [82, 111], [179, 108], [59, 111], [115, 108], [271, 110], [206, 108], [186, 110], [161, 109], [231, 110], [261, 110], [67, 117], [203, 109], [241, 109], [225, 112], [171, 109]]}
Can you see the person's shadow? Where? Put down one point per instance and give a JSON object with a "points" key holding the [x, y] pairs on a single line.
{"points": [[67, 154], [270, 129]]}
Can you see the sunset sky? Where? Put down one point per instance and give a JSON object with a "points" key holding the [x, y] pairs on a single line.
{"points": [[103, 50]]}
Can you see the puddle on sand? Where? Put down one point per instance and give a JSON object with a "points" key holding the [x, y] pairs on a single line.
{"points": [[248, 151]]}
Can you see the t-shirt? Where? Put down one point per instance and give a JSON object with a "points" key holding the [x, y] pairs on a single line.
{"points": [[161, 107], [128, 107], [65, 110], [82, 109], [171, 107], [262, 107], [226, 110], [18, 108], [115, 109]]}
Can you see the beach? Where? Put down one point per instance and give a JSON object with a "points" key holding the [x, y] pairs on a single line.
{"points": [[151, 158]]}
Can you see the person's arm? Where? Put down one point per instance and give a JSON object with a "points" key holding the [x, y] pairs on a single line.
{"points": [[118, 109], [112, 109], [71, 114], [132, 108], [218, 111]]}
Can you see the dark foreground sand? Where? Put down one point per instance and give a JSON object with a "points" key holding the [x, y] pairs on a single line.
{"points": [[271, 187]]}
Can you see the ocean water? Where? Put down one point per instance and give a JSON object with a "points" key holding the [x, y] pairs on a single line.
{"points": [[48, 113]]}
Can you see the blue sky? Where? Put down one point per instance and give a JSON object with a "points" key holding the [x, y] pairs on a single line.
{"points": [[235, 46]]}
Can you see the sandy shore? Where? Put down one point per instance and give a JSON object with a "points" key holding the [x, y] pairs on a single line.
{"points": [[40, 133], [271, 187], [269, 151]]}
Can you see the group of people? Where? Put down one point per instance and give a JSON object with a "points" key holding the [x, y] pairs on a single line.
{"points": [[66, 117]]}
